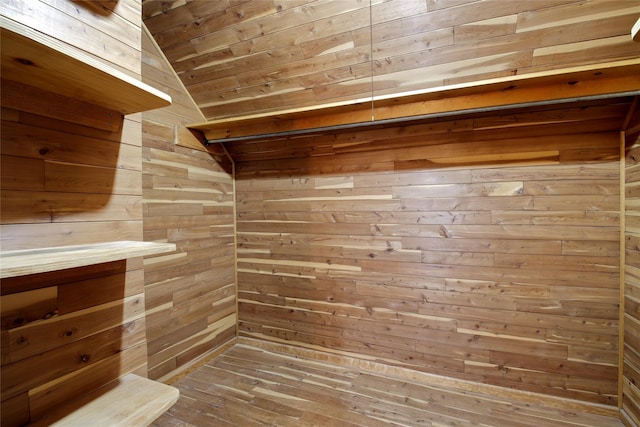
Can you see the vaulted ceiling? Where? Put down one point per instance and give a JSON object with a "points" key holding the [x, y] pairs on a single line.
{"points": [[239, 57]]}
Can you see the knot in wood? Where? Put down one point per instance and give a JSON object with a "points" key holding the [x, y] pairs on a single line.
{"points": [[24, 61]]}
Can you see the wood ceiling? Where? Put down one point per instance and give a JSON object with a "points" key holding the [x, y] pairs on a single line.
{"points": [[239, 57]]}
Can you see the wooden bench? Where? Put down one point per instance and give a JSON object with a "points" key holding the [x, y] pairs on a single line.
{"points": [[128, 401]]}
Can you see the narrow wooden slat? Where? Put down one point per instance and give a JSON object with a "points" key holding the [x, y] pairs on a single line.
{"points": [[271, 382], [130, 400]]}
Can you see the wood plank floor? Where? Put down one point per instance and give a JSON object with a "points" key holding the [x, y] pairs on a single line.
{"points": [[253, 386]]}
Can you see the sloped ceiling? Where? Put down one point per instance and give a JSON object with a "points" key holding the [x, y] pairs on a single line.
{"points": [[241, 57]]}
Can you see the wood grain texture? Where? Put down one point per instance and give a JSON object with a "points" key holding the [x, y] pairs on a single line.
{"points": [[34, 261], [129, 400], [111, 37], [485, 248], [505, 94], [188, 201], [239, 58], [279, 385], [59, 337], [631, 352], [79, 186], [71, 175]]}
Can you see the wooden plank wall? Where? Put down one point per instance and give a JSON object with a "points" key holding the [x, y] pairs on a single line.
{"points": [[187, 200], [631, 390], [484, 248], [239, 57], [66, 182]]}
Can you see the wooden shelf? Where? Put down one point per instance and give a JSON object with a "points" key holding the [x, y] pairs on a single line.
{"points": [[42, 260], [35, 59], [579, 83], [129, 401]]}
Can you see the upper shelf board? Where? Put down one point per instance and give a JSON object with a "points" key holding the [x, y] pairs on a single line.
{"points": [[32, 261], [578, 83], [35, 59]]}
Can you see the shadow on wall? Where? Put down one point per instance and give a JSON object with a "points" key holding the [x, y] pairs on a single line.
{"points": [[57, 323]]}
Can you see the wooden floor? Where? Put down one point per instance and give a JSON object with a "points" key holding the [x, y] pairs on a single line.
{"points": [[251, 386]]}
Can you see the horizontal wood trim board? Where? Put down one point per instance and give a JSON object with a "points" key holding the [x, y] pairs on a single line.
{"points": [[619, 79], [635, 31]]}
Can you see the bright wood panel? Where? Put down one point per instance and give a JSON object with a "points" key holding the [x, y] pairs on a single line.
{"points": [[107, 32], [34, 59], [187, 201], [130, 400], [484, 248], [257, 383], [41, 260]]}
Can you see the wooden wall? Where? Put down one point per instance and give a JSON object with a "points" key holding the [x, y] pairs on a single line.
{"points": [[488, 253], [631, 391], [239, 57], [483, 248], [65, 182], [187, 200]]}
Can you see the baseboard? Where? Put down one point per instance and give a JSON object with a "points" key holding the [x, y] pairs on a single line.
{"points": [[187, 368], [362, 363]]}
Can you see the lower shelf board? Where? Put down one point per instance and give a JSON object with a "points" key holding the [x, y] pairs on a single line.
{"points": [[129, 401]]}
